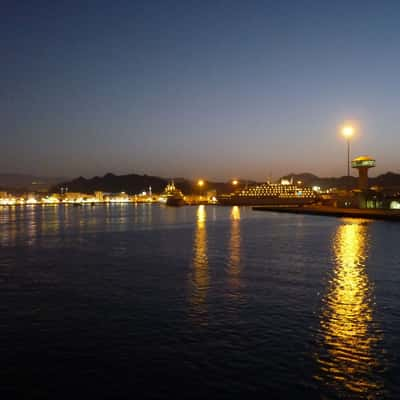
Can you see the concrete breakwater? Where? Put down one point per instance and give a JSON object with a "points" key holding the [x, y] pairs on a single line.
{"points": [[387, 215]]}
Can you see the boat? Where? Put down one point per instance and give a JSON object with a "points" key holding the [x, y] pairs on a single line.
{"points": [[172, 196], [283, 193], [175, 201]]}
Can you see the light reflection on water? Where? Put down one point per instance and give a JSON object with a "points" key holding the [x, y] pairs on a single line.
{"points": [[234, 252], [252, 282], [349, 337], [143, 214], [200, 274]]}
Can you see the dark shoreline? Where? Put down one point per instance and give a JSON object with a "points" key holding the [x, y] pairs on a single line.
{"points": [[386, 215]]}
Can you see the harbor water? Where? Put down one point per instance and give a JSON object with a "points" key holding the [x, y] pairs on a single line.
{"points": [[150, 301]]}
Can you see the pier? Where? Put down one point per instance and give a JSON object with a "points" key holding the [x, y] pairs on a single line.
{"points": [[379, 214]]}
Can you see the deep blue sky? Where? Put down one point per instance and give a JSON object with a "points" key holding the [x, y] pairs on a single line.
{"points": [[213, 89]]}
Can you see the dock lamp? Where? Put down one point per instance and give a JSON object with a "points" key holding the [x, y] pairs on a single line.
{"points": [[200, 184], [348, 132]]}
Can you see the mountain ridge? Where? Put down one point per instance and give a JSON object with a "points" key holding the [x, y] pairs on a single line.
{"points": [[134, 183]]}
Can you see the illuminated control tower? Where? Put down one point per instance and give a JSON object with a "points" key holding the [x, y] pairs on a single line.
{"points": [[363, 163]]}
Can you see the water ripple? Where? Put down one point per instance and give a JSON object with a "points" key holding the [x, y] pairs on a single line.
{"points": [[350, 357]]}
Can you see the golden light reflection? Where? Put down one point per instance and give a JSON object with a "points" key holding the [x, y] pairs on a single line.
{"points": [[50, 222], [200, 276], [235, 213], [234, 249], [348, 356], [149, 214], [31, 226], [9, 226]]}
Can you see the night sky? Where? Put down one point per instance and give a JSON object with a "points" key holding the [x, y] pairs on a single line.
{"points": [[212, 89]]}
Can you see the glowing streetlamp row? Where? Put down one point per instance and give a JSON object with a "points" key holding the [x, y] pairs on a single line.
{"points": [[201, 182]]}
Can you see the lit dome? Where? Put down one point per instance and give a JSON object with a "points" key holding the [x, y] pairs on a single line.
{"points": [[364, 158], [363, 162]]}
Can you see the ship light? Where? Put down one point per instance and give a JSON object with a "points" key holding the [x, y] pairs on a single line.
{"points": [[395, 205], [31, 200]]}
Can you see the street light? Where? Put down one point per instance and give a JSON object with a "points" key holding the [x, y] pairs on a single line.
{"points": [[235, 182], [200, 184], [348, 132]]}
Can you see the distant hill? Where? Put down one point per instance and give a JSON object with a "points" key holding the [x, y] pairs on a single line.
{"points": [[308, 179], [387, 180], [131, 183], [134, 183], [390, 179]]}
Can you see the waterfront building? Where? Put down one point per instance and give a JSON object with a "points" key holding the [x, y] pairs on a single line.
{"points": [[99, 195], [73, 197], [363, 164], [365, 198]]}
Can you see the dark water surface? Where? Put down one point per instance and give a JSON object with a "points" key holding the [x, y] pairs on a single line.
{"points": [[197, 302]]}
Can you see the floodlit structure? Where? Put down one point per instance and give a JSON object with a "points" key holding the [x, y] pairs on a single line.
{"points": [[363, 164]]}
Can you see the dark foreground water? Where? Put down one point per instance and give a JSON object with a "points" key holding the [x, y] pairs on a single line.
{"points": [[197, 302]]}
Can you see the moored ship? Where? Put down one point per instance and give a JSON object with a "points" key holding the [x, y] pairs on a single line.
{"points": [[172, 196], [284, 193]]}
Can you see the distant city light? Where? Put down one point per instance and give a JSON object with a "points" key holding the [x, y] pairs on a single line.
{"points": [[31, 200], [235, 182], [200, 182]]}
